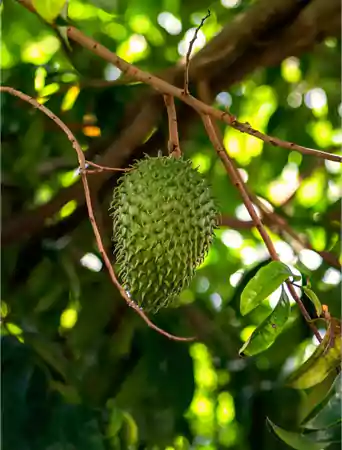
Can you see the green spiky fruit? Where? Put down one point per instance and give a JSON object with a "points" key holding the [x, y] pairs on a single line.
{"points": [[164, 221]]}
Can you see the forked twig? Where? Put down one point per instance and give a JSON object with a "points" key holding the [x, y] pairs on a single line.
{"points": [[82, 164], [164, 87], [214, 136], [99, 168], [173, 144], [282, 225], [188, 54]]}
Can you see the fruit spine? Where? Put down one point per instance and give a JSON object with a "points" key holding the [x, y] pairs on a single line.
{"points": [[163, 225]]}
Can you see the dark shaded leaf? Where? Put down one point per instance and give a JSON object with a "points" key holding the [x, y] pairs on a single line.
{"points": [[296, 440], [331, 412], [315, 300]]}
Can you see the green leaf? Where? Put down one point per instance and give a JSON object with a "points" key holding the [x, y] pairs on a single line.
{"points": [[267, 332], [315, 398], [49, 9], [331, 412], [266, 281], [325, 359], [296, 440], [315, 300]]}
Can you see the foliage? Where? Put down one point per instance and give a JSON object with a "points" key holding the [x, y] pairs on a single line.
{"points": [[80, 369]]}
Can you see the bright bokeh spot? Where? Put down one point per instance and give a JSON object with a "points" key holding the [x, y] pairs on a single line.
{"points": [[311, 190], [115, 31], [201, 161], [170, 23], [257, 109], [111, 73], [91, 262], [140, 23], [43, 195], [332, 276], [67, 178], [49, 89], [216, 300], [225, 411], [78, 10], [14, 329], [249, 255], [236, 277], [205, 374], [294, 99], [184, 44], [285, 252], [230, 3], [334, 191], [91, 131], [310, 259], [39, 79], [244, 175], [70, 98], [40, 52], [290, 70], [6, 59], [202, 406], [134, 49], [282, 188], [232, 239], [68, 318], [224, 99], [322, 132], [202, 285], [4, 309], [315, 98], [243, 214], [68, 209]]}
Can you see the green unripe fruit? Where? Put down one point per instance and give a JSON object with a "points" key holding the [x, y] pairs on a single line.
{"points": [[164, 221]]}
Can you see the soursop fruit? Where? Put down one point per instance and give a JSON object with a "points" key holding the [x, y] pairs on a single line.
{"points": [[164, 218]]}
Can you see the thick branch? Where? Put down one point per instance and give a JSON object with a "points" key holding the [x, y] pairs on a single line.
{"points": [[237, 50]]}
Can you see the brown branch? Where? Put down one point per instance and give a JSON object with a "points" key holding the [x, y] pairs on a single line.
{"points": [[188, 54], [82, 164], [237, 60], [283, 226], [166, 88], [213, 133], [100, 168], [173, 144]]}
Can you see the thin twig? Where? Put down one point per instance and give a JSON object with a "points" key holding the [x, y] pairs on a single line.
{"points": [[166, 88], [82, 164], [188, 54], [105, 168], [235, 176], [173, 144], [283, 226]]}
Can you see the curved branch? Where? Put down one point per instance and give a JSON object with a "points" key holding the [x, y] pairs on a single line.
{"points": [[82, 163]]}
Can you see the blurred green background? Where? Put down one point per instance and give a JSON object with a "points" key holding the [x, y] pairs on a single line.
{"points": [[80, 369]]}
